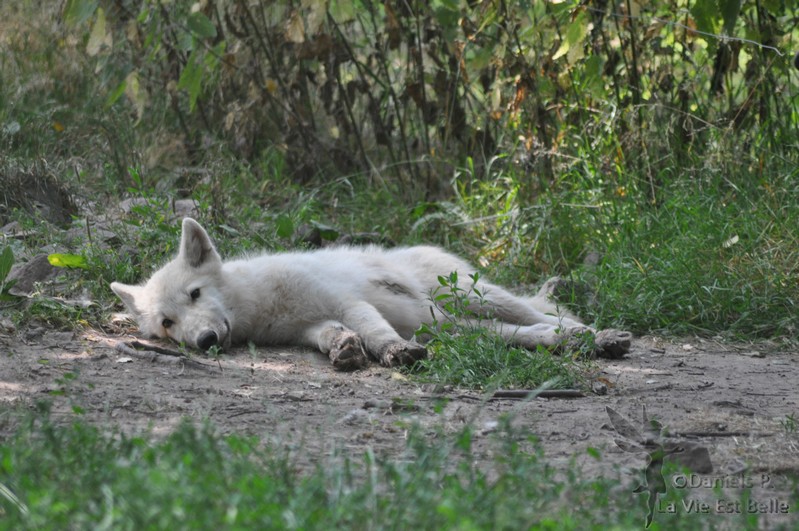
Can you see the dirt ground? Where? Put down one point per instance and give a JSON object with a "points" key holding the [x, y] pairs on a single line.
{"points": [[736, 401]]}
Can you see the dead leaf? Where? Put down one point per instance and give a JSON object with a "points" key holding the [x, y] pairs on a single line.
{"points": [[316, 12], [135, 94], [99, 37], [393, 27], [295, 28]]}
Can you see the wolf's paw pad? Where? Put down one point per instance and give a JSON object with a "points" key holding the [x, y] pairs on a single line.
{"points": [[348, 353], [612, 343], [402, 354]]}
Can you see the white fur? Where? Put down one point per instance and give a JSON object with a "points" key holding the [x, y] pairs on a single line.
{"points": [[345, 301]]}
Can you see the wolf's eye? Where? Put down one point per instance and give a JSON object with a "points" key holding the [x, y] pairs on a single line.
{"points": [[195, 294], [166, 323]]}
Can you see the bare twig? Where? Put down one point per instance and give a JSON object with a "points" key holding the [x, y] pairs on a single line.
{"points": [[545, 393], [154, 353]]}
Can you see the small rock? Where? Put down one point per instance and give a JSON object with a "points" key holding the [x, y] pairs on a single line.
{"points": [[398, 376], [6, 326], [489, 426], [356, 416], [26, 275], [693, 456], [127, 205], [34, 333], [186, 208], [376, 404]]}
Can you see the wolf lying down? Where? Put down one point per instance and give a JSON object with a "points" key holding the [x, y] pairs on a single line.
{"points": [[351, 303]]}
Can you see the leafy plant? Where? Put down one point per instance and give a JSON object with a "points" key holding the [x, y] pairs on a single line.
{"points": [[6, 261], [467, 354], [789, 424]]}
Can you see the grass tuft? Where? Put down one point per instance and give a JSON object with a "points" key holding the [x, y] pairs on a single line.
{"points": [[465, 353]]}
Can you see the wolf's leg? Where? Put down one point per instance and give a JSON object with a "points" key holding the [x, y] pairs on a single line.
{"points": [[342, 345], [521, 322], [607, 343], [379, 337], [498, 303], [531, 336]]}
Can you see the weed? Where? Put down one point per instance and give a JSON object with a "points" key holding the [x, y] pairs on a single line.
{"points": [[789, 424], [467, 354], [6, 261]]}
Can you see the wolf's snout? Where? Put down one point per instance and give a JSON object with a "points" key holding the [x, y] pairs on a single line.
{"points": [[207, 340]]}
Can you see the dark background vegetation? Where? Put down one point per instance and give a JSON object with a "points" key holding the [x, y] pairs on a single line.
{"points": [[646, 148]]}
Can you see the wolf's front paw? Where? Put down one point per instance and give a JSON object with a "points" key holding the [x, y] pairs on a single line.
{"points": [[405, 353], [348, 353]]}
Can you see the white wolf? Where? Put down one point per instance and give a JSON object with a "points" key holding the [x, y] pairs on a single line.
{"points": [[350, 303]]}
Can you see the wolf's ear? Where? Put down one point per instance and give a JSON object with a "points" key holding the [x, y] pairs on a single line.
{"points": [[195, 245], [128, 294]]}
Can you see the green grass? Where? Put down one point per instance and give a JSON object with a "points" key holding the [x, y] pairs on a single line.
{"points": [[706, 264], [464, 352], [78, 476], [479, 359]]}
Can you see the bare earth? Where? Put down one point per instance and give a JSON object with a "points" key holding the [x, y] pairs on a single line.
{"points": [[733, 400]]}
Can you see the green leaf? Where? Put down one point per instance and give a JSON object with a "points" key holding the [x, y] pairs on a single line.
{"points": [[68, 260], [115, 94], [212, 59], [325, 231], [191, 79], [705, 16], [285, 227], [6, 261], [201, 26], [78, 11], [577, 30], [572, 44], [447, 17], [342, 11], [729, 12]]}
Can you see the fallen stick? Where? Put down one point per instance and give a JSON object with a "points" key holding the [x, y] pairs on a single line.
{"points": [[154, 353], [546, 393]]}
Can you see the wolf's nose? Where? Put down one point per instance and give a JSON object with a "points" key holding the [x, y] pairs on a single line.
{"points": [[207, 340]]}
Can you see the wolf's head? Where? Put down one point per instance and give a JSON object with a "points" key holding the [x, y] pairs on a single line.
{"points": [[184, 299]]}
